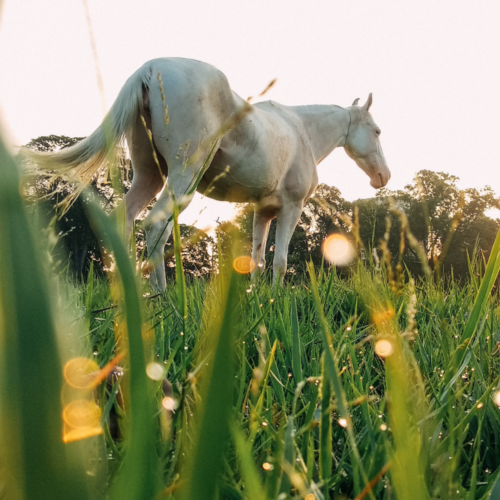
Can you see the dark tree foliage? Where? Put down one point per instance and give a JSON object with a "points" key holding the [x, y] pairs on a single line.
{"points": [[76, 238], [77, 241], [196, 253], [46, 143]]}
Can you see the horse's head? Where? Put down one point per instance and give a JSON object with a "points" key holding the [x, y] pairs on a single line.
{"points": [[363, 144]]}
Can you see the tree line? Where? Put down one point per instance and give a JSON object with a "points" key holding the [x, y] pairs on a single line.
{"points": [[430, 219]]}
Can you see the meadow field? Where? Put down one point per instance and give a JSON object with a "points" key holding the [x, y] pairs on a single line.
{"points": [[366, 385]]}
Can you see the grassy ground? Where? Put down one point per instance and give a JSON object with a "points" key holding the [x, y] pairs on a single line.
{"points": [[354, 387], [303, 434]]}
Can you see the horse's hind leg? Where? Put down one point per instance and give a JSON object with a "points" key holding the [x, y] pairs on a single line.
{"points": [[148, 175], [287, 221], [180, 189], [261, 224]]}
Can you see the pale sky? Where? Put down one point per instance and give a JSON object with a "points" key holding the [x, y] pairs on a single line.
{"points": [[433, 67]]}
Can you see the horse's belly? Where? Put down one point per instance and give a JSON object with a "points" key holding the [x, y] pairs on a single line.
{"points": [[230, 179]]}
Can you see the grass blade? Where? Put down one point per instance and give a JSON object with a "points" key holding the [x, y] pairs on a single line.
{"points": [[40, 466], [213, 424]]}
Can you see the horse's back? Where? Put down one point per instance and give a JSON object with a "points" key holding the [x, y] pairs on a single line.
{"points": [[197, 97]]}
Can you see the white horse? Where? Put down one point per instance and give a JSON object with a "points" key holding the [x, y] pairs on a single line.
{"points": [[198, 128]]}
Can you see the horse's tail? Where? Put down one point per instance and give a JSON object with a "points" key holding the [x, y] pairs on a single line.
{"points": [[83, 160]]}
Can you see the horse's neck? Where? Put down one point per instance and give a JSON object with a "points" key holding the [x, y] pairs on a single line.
{"points": [[326, 127]]}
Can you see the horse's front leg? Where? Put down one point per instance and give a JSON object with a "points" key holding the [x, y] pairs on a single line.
{"points": [[261, 223], [287, 221]]}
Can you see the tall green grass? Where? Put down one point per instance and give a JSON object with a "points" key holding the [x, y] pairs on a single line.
{"points": [[275, 393]]}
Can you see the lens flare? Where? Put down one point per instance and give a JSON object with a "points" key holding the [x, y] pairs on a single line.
{"points": [[384, 348], [79, 373], [154, 371], [78, 434], [243, 264], [338, 250]]}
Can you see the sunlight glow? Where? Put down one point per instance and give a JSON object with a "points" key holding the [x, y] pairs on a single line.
{"points": [[381, 317], [338, 250]]}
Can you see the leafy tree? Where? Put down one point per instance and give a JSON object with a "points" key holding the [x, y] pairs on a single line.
{"points": [[46, 191], [76, 236], [448, 222], [196, 253]]}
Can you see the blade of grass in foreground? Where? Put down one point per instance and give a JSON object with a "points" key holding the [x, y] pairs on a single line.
{"points": [[180, 281], [138, 477], [296, 355], [405, 394], [214, 411], [454, 371], [331, 371], [40, 465]]}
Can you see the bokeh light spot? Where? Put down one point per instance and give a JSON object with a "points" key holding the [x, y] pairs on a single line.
{"points": [[342, 422], [154, 371], [169, 404], [79, 373], [243, 264], [338, 250], [384, 348], [82, 413], [496, 398]]}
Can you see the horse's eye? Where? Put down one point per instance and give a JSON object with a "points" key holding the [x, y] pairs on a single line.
{"points": [[377, 131]]}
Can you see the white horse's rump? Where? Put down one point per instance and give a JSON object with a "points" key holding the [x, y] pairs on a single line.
{"points": [[272, 152]]}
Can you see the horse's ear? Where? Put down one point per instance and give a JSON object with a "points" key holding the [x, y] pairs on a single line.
{"points": [[355, 103], [368, 103]]}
